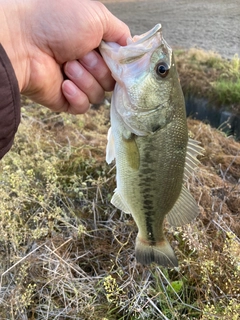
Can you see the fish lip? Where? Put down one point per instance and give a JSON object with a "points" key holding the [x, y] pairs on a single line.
{"points": [[148, 35]]}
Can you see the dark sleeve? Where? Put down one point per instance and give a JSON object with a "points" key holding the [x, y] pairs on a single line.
{"points": [[9, 103]]}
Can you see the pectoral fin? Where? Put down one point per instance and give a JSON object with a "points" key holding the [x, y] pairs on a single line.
{"points": [[184, 210], [132, 152]]}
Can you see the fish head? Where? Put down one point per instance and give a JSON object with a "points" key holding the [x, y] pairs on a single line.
{"points": [[146, 81]]}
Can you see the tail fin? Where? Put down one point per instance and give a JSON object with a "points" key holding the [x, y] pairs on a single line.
{"points": [[161, 253]]}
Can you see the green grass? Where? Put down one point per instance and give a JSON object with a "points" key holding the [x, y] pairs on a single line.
{"points": [[228, 92], [67, 253], [206, 74]]}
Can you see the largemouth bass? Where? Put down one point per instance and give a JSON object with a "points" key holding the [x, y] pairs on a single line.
{"points": [[149, 140]]}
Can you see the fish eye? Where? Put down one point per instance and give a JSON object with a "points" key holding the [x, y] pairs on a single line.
{"points": [[162, 69]]}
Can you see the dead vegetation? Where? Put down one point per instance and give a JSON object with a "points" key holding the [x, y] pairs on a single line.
{"points": [[67, 253]]}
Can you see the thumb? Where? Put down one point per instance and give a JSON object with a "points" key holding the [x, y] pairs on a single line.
{"points": [[114, 30]]}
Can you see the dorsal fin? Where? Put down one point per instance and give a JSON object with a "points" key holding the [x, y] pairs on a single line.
{"points": [[191, 162], [184, 210]]}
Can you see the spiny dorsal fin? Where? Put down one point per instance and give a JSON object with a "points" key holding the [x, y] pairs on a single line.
{"points": [[118, 202], [184, 210], [191, 162], [110, 150]]}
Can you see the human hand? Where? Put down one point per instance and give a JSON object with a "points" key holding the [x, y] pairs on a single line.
{"points": [[45, 38]]}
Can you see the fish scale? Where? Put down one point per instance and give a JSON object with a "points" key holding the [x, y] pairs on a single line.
{"points": [[149, 141]]}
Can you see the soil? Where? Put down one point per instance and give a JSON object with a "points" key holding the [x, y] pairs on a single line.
{"points": [[209, 25]]}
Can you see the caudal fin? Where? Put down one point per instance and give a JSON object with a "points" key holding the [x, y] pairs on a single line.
{"points": [[161, 253]]}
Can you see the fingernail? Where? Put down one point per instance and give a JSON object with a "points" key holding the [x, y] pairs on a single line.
{"points": [[90, 59], [74, 69], [69, 88]]}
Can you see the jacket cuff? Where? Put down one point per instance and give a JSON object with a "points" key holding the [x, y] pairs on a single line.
{"points": [[9, 103]]}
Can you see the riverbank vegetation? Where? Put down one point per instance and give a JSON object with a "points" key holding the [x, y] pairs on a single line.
{"points": [[206, 74], [67, 253]]}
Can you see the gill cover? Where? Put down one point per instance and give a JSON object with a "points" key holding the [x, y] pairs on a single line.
{"points": [[144, 62]]}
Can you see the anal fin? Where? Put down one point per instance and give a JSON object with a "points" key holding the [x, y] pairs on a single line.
{"points": [[118, 202]]}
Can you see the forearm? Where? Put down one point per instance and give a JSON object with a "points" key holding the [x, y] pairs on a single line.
{"points": [[12, 71], [11, 36], [9, 103]]}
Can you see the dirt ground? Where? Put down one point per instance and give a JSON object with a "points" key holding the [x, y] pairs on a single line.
{"points": [[207, 24]]}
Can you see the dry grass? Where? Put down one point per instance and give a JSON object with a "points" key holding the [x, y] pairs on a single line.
{"points": [[67, 253]]}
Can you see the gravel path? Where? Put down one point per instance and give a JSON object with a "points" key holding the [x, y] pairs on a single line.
{"points": [[207, 24]]}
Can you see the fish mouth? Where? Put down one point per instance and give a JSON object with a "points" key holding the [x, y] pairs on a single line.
{"points": [[148, 35]]}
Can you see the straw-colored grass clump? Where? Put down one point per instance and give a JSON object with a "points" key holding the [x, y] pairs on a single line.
{"points": [[67, 253]]}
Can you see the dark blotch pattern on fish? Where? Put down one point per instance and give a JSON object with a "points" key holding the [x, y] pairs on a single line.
{"points": [[147, 174]]}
